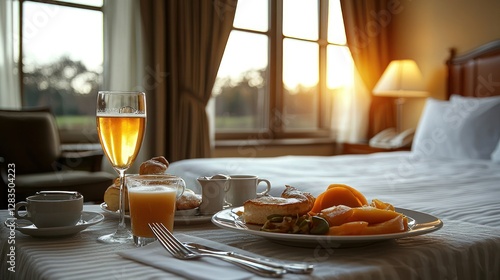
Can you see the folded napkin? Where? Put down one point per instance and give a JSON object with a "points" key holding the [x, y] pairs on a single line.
{"points": [[203, 268]]}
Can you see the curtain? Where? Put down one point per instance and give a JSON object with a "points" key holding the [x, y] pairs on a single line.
{"points": [[124, 59], [186, 41], [350, 104], [10, 95], [366, 24], [123, 54]]}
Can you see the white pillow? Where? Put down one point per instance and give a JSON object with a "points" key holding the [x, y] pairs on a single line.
{"points": [[495, 156], [478, 103], [461, 128], [473, 101]]}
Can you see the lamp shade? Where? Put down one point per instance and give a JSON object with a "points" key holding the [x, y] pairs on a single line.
{"points": [[402, 78]]}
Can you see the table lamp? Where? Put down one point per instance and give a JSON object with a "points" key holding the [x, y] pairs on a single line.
{"points": [[402, 79]]}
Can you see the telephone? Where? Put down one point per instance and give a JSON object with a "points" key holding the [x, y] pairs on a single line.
{"points": [[390, 139]]}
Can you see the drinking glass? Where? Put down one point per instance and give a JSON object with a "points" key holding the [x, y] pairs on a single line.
{"points": [[121, 122], [152, 199]]}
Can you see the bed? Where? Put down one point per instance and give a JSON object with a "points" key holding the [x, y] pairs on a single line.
{"points": [[452, 172]]}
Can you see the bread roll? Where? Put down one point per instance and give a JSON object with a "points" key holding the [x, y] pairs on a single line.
{"points": [[156, 165], [112, 196], [161, 159], [291, 203]]}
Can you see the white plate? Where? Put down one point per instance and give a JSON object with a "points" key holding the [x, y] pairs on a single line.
{"points": [[105, 208], [88, 219], [421, 223], [178, 219]]}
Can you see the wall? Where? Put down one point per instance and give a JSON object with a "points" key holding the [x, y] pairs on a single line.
{"points": [[425, 30]]}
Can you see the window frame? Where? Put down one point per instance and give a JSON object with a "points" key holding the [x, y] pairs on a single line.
{"points": [[275, 129], [20, 62]]}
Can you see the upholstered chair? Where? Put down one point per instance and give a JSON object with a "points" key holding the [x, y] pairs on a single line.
{"points": [[31, 160]]}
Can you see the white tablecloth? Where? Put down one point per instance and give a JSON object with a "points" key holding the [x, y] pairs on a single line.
{"points": [[457, 251]]}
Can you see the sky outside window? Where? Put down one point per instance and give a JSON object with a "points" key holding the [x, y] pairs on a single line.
{"points": [[52, 31]]}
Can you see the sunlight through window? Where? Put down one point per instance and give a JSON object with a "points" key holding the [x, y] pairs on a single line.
{"points": [[251, 14], [300, 19], [274, 84]]}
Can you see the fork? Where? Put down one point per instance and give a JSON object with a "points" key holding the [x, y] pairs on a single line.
{"points": [[178, 250]]}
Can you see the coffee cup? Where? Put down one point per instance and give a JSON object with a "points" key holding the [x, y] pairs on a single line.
{"points": [[51, 209], [213, 192], [245, 187]]}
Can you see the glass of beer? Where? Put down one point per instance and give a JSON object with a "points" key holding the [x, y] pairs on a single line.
{"points": [[121, 123], [152, 200]]}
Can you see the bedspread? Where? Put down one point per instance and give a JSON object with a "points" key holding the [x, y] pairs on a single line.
{"points": [[457, 251], [461, 190], [463, 194]]}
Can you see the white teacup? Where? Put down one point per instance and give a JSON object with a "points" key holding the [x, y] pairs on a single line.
{"points": [[52, 209], [213, 192], [244, 187]]}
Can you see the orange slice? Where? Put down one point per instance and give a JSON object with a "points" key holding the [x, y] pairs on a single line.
{"points": [[338, 194], [352, 228], [336, 215], [371, 215], [395, 225], [354, 191], [381, 205]]}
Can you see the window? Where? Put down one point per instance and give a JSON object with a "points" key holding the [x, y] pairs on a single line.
{"points": [[282, 61], [61, 57]]}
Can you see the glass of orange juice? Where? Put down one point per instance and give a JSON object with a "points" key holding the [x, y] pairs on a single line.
{"points": [[152, 199]]}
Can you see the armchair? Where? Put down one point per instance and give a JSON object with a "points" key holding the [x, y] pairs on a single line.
{"points": [[31, 160]]}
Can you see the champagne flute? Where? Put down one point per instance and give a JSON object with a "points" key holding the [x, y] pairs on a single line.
{"points": [[121, 122]]}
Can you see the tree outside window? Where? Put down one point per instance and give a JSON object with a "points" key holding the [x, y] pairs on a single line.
{"points": [[61, 57]]}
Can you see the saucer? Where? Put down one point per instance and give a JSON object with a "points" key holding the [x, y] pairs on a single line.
{"points": [[88, 219], [192, 220]]}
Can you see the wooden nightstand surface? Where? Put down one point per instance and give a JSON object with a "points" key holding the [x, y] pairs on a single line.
{"points": [[364, 148]]}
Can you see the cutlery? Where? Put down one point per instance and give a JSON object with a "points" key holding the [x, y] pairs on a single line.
{"points": [[178, 250], [298, 268]]}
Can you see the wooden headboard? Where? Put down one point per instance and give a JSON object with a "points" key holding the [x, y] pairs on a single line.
{"points": [[475, 73]]}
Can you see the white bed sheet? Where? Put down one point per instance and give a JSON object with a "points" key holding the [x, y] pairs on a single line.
{"points": [[459, 190], [462, 193]]}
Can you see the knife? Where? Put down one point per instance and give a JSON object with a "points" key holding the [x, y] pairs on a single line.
{"points": [[298, 268]]}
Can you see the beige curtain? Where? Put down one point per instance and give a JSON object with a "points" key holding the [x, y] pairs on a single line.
{"points": [[350, 103], [124, 59], [10, 93], [367, 31], [123, 50], [155, 72], [185, 41]]}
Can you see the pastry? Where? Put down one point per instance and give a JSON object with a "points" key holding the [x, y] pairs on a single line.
{"points": [[112, 196], [156, 165], [188, 200], [291, 203]]}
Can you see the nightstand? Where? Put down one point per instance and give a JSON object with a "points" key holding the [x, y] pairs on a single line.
{"points": [[364, 148]]}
